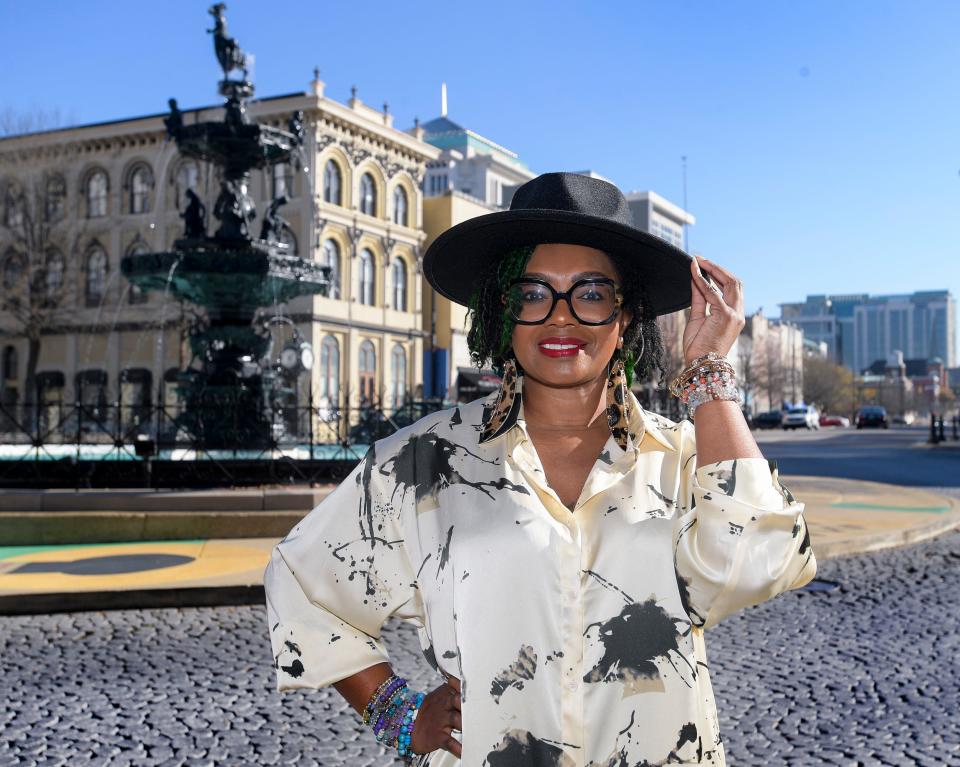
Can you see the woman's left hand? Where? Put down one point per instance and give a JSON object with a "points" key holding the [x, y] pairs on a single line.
{"points": [[716, 331]]}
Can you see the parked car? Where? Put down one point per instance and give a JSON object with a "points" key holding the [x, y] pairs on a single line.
{"points": [[768, 420], [872, 415], [834, 420], [801, 416]]}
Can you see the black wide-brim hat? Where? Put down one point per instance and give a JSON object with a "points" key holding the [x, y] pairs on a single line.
{"points": [[559, 208]]}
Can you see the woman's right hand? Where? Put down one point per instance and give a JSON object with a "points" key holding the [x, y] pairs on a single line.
{"points": [[439, 714]]}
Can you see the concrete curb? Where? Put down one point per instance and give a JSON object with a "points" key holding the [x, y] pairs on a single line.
{"points": [[46, 528], [133, 599], [889, 540]]}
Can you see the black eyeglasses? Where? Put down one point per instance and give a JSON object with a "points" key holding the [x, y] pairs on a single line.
{"points": [[593, 301]]}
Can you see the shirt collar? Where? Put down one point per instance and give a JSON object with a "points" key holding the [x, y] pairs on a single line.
{"points": [[641, 422]]}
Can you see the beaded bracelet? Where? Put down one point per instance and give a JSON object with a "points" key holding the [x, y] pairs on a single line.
{"points": [[711, 362], [710, 387], [393, 709]]}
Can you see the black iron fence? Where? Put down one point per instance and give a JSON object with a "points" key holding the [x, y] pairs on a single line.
{"points": [[52, 443], [98, 443]]}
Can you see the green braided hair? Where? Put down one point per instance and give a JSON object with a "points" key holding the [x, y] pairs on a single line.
{"points": [[490, 337]]}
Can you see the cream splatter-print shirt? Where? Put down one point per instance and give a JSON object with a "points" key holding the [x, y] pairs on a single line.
{"points": [[578, 636]]}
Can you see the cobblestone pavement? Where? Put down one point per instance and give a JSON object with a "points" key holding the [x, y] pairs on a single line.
{"points": [[863, 675]]}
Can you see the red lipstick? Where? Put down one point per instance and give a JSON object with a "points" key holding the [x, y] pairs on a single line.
{"points": [[561, 346]]}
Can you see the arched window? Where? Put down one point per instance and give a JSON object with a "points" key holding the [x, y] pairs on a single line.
{"points": [[367, 364], [398, 375], [13, 202], [400, 206], [96, 278], [135, 295], [91, 389], [399, 284], [331, 258], [188, 177], [135, 389], [53, 276], [141, 182], [367, 274], [368, 195], [13, 266], [55, 198], [96, 193], [330, 370], [49, 398], [282, 180], [332, 183]]}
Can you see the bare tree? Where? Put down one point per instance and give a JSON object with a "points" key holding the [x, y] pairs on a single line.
{"points": [[35, 244], [15, 123]]}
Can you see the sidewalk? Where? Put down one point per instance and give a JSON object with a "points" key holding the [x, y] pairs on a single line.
{"points": [[845, 517]]}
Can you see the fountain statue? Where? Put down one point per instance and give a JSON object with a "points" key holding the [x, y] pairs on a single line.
{"points": [[231, 389]]}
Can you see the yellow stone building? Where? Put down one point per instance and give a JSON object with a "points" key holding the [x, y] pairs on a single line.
{"points": [[74, 201]]}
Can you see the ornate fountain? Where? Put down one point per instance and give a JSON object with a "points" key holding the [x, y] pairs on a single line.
{"points": [[230, 392]]}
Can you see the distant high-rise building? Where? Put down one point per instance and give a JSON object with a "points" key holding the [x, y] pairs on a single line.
{"points": [[860, 329]]}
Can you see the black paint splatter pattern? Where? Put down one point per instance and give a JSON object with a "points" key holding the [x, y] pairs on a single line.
{"points": [[436, 519]]}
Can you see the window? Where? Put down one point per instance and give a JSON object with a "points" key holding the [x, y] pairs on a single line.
{"points": [[135, 385], [330, 371], [282, 180], [49, 400], [135, 295], [96, 278], [332, 183], [366, 277], [55, 199], [13, 207], [97, 194], [400, 206], [331, 258], [91, 388], [399, 285], [141, 181], [9, 395], [398, 375], [188, 176], [53, 276], [13, 266], [10, 363], [368, 195], [368, 373]]}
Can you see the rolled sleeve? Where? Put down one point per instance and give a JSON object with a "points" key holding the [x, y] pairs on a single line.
{"points": [[741, 539], [336, 578]]}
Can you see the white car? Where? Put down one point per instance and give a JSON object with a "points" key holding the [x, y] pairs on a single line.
{"points": [[801, 416]]}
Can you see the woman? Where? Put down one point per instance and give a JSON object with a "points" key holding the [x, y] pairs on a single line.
{"points": [[560, 549]]}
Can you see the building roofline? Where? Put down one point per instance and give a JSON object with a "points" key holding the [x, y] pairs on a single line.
{"points": [[154, 116], [663, 205]]}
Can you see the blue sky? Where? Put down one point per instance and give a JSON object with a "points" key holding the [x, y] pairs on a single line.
{"points": [[823, 137]]}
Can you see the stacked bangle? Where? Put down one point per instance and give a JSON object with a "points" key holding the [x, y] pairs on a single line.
{"points": [[707, 378], [393, 709]]}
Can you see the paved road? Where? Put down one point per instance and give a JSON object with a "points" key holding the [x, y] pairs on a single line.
{"points": [[863, 675], [880, 455]]}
